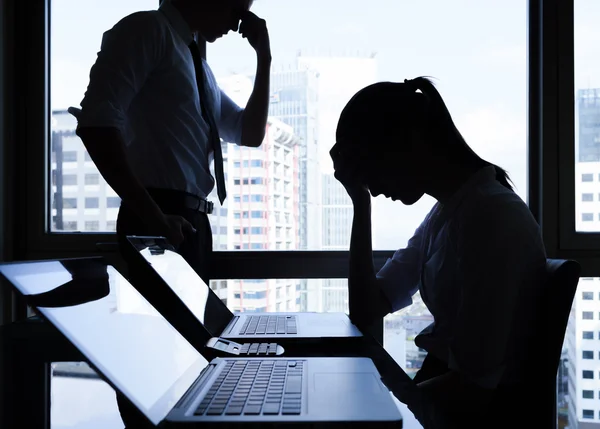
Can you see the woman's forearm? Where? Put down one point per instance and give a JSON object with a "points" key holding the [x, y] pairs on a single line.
{"points": [[361, 276]]}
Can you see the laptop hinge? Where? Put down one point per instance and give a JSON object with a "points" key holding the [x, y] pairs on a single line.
{"points": [[189, 395], [233, 323]]}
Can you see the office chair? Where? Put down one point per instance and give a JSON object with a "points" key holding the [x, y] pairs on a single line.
{"points": [[563, 278], [550, 316]]}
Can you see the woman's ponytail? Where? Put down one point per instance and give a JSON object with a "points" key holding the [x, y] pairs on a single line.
{"points": [[439, 112]]}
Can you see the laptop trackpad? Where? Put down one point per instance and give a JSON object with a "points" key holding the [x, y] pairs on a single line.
{"points": [[356, 382]]}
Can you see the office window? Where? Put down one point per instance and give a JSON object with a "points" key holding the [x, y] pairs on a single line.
{"points": [[92, 202], [587, 217], [587, 374], [111, 225], [72, 386], [588, 335], [495, 124], [76, 32], [236, 296], [587, 197], [587, 394], [70, 225], [588, 414], [255, 295], [92, 178], [587, 296], [69, 179], [69, 156], [257, 214], [92, 225], [113, 202], [69, 203], [236, 181], [257, 230], [586, 93], [237, 215], [588, 354], [587, 315]]}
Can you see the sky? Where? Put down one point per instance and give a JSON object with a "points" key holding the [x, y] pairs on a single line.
{"points": [[476, 51]]}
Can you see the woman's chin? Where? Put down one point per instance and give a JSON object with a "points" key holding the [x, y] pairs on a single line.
{"points": [[407, 200]]}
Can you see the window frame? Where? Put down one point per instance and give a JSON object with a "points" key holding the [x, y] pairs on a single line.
{"points": [[37, 242], [584, 245], [550, 86]]}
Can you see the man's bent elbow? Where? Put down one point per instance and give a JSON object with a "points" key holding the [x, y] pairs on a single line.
{"points": [[252, 142]]}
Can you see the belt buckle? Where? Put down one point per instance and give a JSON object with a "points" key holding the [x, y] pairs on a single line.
{"points": [[209, 206]]}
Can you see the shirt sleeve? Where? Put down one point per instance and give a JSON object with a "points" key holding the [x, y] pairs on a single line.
{"points": [[230, 121], [399, 278], [129, 53], [497, 250]]}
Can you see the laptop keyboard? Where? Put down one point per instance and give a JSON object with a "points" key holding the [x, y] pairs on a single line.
{"points": [[271, 387], [263, 325], [259, 349]]}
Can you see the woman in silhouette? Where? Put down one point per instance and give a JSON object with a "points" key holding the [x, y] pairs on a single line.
{"points": [[477, 259]]}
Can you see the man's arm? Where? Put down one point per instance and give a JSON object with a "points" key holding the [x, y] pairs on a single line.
{"points": [[254, 119], [129, 53], [107, 149]]}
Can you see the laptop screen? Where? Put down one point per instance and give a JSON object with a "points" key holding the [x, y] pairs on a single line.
{"points": [[114, 327], [184, 281]]}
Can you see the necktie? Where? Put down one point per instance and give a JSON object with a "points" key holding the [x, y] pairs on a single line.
{"points": [[214, 139]]}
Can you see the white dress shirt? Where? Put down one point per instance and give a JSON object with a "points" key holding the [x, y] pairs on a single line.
{"points": [[144, 84], [478, 262]]}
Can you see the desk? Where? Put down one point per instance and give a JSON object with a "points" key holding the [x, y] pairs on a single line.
{"points": [[28, 348]]}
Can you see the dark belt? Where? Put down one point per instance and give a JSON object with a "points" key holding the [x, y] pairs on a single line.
{"points": [[172, 198]]}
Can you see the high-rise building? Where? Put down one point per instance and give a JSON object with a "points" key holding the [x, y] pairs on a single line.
{"points": [[583, 338], [335, 88], [294, 97], [338, 212], [341, 75], [263, 206], [80, 198]]}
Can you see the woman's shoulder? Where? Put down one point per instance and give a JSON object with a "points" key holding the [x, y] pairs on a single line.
{"points": [[496, 206]]}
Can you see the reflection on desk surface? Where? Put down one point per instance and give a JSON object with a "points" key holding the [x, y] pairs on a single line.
{"points": [[83, 403]]}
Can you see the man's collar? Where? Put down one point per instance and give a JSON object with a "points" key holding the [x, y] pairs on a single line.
{"points": [[177, 22]]}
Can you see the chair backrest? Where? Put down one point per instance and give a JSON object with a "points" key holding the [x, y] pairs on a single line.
{"points": [[562, 281], [545, 352]]}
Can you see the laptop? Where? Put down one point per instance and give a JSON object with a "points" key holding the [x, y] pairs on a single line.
{"points": [[145, 359], [161, 265]]}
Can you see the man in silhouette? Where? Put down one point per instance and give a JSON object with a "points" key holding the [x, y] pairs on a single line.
{"points": [[153, 115], [152, 118]]}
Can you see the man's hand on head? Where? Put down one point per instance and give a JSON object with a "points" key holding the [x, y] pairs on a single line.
{"points": [[255, 30]]}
